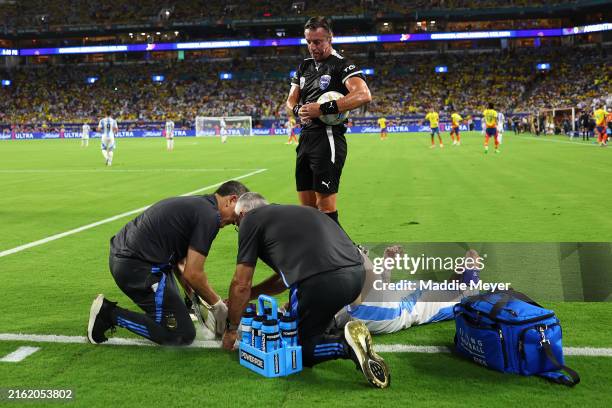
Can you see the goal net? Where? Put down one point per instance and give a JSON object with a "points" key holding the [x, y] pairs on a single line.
{"points": [[558, 120], [224, 126]]}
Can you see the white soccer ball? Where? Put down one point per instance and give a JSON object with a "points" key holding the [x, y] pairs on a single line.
{"points": [[334, 119]]}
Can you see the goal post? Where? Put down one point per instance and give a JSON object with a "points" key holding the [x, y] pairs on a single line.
{"points": [[555, 117], [224, 126]]}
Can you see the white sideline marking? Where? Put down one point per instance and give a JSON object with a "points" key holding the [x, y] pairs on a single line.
{"points": [[383, 348], [19, 355], [409, 348], [576, 143], [116, 217], [115, 341], [107, 170]]}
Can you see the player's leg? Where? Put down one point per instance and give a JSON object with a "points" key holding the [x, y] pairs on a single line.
{"points": [[496, 138], [452, 136], [103, 145], [166, 319], [110, 152], [304, 176], [500, 135], [486, 143], [601, 135], [327, 160], [439, 137], [458, 136], [433, 144], [315, 301]]}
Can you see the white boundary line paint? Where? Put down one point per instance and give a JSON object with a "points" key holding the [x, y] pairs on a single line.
{"points": [[19, 355], [113, 218], [107, 170], [408, 348], [208, 344], [577, 143]]}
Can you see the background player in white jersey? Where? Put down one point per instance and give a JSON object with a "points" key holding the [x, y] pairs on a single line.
{"points": [[169, 129], [500, 126], [223, 130], [108, 128], [85, 135]]}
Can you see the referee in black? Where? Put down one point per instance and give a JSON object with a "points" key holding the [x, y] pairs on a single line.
{"points": [[322, 149], [143, 255], [315, 259]]}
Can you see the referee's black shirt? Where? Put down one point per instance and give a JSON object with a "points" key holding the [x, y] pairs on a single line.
{"points": [[316, 78], [164, 232], [296, 242]]}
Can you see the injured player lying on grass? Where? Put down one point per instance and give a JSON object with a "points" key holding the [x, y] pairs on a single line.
{"points": [[389, 312]]}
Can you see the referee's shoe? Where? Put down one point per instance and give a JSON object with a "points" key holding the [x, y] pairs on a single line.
{"points": [[371, 364]]}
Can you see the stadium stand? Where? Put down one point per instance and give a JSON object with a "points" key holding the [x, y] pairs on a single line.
{"points": [[54, 94], [44, 13]]}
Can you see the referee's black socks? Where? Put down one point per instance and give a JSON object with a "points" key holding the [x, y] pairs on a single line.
{"points": [[334, 216]]}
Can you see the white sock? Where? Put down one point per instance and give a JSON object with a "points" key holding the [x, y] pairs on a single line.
{"points": [[223, 139], [110, 156], [105, 154]]}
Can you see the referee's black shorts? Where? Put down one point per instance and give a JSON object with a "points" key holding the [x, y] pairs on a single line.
{"points": [[320, 158]]}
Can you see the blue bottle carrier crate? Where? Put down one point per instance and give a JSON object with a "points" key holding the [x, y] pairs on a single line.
{"points": [[283, 361]]}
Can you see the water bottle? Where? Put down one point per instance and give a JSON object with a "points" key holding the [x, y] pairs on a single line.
{"points": [[270, 338], [288, 330], [256, 331], [245, 326]]}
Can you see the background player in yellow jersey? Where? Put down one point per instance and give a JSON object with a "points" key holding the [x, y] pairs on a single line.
{"points": [[490, 119], [382, 122], [290, 125], [600, 125], [434, 120], [454, 133]]}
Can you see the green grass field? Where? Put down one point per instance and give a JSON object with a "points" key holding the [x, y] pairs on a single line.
{"points": [[537, 190]]}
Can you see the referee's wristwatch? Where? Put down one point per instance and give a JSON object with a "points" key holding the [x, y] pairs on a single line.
{"points": [[229, 326]]}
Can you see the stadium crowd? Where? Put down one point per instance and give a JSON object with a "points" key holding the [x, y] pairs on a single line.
{"points": [[46, 13], [401, 85]]}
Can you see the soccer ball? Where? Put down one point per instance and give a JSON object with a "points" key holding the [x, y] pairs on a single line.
{"points": [[334, 119]]}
